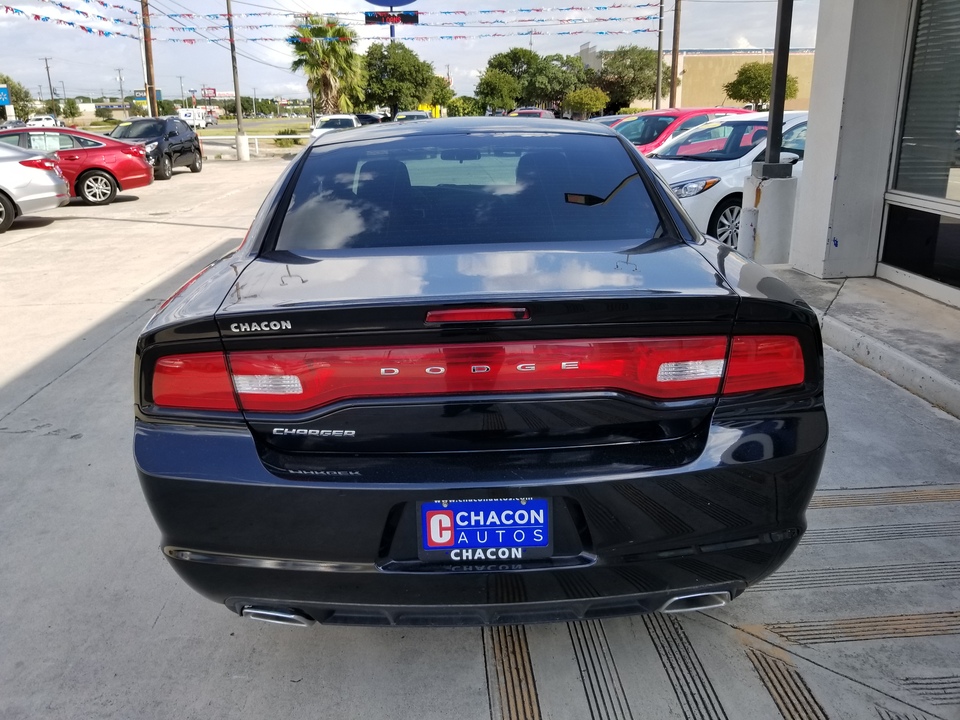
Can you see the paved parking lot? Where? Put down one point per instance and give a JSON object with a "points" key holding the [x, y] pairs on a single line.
{"points": [[863, 621]]}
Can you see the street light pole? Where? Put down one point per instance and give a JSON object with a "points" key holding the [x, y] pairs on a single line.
{"points": [[659, 93], [675, 55], [778, 89]]}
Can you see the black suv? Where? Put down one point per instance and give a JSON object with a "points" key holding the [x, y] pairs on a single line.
{"points": [[169, 143]]}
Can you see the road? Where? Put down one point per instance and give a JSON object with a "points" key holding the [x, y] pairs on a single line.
{"points": [[863, 622]]}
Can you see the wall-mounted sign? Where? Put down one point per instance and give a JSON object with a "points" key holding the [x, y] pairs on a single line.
{"points": [[4, 95]]}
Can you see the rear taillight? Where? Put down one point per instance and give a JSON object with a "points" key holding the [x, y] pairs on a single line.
{"points": [[761, 362], [135, 150], [42, 164], [298, 380], [198, 381], [470, 315], [289, 381]]}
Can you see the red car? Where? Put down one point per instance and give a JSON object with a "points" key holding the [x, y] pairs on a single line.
{"points": [[95, 166], [649, 130]]}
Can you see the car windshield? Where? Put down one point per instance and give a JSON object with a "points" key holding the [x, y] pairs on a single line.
{"points": [[645, 129], [728, 140], [141, 129], [329, 123], [468, 189]]}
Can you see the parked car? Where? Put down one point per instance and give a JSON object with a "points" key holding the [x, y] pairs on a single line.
{"points": [[6, 124], [327, 123], [42, 121], [531, 113], [30, 182], [408, 115], [649, 130], [96, 167], [608, 119], [707, 167], [370, 119], [169, 143], [194, 117], [507, 360]]}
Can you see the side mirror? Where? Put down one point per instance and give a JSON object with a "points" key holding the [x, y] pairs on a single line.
{"points": [[789, 158]]}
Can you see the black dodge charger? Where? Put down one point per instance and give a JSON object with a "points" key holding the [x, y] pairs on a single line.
{"points": [[477, 371]]}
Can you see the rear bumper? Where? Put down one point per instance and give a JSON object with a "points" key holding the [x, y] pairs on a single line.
{"points": [[342, 549]]}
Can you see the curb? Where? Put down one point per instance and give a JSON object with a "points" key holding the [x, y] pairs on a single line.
{"points": [[907, 372]]}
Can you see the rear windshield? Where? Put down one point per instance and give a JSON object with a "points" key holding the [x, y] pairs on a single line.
{"points": [[645, 129], [467, 189], [145, 129], [727, 140], [334, 123]]}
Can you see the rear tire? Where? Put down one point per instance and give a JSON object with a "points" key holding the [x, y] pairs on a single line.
{"points": [[7, 212], [197, 164], [164, 168], [97, 188], [725, 223]]}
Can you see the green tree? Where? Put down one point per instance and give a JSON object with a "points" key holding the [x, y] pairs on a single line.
{"points": [[52, 107], [754, 82], [20, 97], [551, 79], [104, 113], [463, 106], [246, 104], [137, 109], [441, 93], [498, 89], [586, 101], [324, 50], [166, 107], [397, 77], [627, 73], [71, 110]]}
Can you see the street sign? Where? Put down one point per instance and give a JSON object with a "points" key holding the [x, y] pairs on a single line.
{"points": [[208, 92], [4, 95]]}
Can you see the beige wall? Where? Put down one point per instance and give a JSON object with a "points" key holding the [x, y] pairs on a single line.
{"points": [[704, 76]]}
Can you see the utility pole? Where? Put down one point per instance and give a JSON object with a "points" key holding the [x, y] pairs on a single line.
{"points": [[243, 149], [53, 109], [659, 93], [148, 59], [123, 105], [64, 87], [183, 98], [254, 102], [675, 56]]}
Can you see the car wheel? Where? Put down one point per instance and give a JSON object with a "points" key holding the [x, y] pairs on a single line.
{"points": [[7, 213], [725, 223], [164, 168], [97, 188], [197, 164]]}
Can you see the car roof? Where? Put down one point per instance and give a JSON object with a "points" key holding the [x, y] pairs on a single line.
{"points": [[467, 125], [333, 116]]}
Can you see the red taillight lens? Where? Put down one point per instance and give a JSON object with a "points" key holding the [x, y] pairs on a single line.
{"points": [[299, 380], [198, 381], [135, 150], [477, 315], [42, 164], [762, 362]]}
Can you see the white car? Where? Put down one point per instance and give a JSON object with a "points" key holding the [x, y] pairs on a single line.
{"points": [[326, 123], [42, 121], [707, 166]]}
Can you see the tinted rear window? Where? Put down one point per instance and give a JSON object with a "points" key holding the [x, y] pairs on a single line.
{"points": [[467, 189], [144, 129]]}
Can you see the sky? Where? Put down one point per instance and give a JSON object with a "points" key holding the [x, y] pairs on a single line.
{"points": [[85, 63]]}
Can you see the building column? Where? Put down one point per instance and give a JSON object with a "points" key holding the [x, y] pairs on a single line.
{"points": [[857, 75]]}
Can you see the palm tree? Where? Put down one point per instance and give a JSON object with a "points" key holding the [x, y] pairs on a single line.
{"points": [[324, 50]]}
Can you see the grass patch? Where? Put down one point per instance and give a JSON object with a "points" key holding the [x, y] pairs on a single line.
{"points": [[282, 142]]}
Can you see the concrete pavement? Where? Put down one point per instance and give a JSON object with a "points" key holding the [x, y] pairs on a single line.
{"points": [[863, 622]]}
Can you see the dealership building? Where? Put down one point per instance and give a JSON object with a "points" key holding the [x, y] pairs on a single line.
{"points": [[880, 192]]}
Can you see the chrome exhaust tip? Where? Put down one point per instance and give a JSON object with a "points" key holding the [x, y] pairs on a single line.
{"points": [[277, 616], [695, 602]]}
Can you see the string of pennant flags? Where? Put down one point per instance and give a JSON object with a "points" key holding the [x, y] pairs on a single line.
{"points": [[558, 21], [65, 23], [535, 33], [359, 14], [81, 13]]}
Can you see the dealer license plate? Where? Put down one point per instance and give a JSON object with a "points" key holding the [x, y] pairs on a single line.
{"points": [[485, 531]]}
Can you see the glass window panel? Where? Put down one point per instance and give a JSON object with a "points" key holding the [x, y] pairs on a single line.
{"points": [[929, 153], [924, 243]]}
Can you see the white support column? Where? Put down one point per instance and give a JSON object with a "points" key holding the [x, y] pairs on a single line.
{"points": [[853, 114]]}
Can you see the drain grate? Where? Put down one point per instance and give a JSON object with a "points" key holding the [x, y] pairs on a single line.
{"points": [[598, 672], [511, 686], [863, 575], [893, 497], [695, 693], [884, 627], [787, 688]]}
